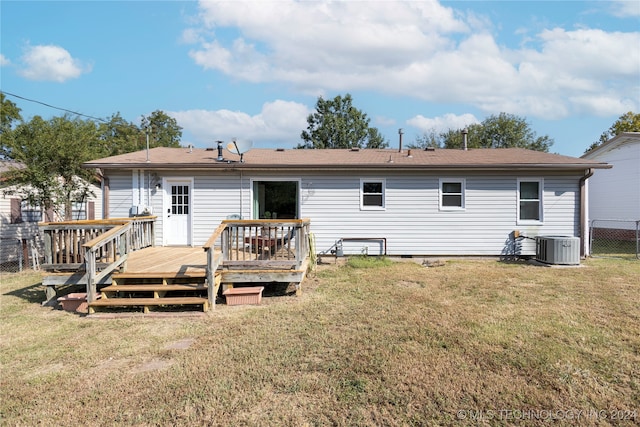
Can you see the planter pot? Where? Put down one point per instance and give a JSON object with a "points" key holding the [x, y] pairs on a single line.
{"points": [[75, 302], [244, 296]]}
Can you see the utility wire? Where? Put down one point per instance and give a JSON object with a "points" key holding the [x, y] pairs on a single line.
{"points": [[52, 106]]}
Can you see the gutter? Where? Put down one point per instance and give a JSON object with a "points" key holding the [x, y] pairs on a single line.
{"points": [[583, 213], [353, 166]]}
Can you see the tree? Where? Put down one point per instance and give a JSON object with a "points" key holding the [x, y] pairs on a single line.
{"points": [[338, 124], [501, 131], [9, 114], [430, 139], [117, 136], [163, 130], [453, 138], [52, 153], [628, 122]]}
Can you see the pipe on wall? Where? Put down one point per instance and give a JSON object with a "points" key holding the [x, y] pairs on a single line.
{"points": [[584, 227]]}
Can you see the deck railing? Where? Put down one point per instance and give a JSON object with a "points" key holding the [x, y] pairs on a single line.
{"points": [[257, 244], [267, 243], [64, 241]]}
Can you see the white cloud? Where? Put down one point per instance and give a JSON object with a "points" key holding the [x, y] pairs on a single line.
{"points": [[50, 63], [442, 123], [4, 60], [278, 122], [418, 49], [625, 8]]}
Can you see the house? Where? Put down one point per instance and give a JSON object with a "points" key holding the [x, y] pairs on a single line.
{"points": [[374, 201], [19, 234], [614, 194]]}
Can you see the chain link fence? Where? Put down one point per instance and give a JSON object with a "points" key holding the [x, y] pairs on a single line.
{"points": [[614, 238], [20, 247]]}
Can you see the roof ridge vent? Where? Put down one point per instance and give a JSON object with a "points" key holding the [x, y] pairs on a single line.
{"points": [[355, 149]]}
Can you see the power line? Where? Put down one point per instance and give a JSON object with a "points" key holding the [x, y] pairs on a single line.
{"points": [[53, 106]]}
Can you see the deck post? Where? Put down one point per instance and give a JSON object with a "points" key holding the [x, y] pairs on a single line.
{"points": [[90, 263], [299, 257], [211, 274], [48, 254]]}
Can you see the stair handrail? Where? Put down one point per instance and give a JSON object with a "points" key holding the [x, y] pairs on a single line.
{"points": [[109, 246], [213, 262], [113, 248]]}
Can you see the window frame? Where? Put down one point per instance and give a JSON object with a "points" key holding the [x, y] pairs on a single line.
{"points": [[540, 200], [79, 211], [28, 212], [383, 183], [441, 193]]}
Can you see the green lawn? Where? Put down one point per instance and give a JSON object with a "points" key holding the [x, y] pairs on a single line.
{"points": [[368, 343]]}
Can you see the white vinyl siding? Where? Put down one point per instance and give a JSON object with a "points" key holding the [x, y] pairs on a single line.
{"points": [[120, 199], [411, 222], [614, 194]]}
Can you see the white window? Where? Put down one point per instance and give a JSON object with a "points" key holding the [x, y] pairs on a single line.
{"points": [[530, 202], [78, 211], [30, 213], [372, 194], [452, 194]]}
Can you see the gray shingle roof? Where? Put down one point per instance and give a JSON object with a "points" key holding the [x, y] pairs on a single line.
{"points": [[186, 158]]}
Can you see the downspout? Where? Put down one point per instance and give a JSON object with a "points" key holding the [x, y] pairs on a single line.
{"points": [[241, 194], [105, 197], [584, 227], [104, 185]]}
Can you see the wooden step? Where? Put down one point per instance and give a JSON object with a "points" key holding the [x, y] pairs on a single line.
{"points": [[148, 302], [156, 275], [152, 288]]}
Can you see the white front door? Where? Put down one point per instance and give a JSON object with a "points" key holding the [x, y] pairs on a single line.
{"points": [[177, 211]]}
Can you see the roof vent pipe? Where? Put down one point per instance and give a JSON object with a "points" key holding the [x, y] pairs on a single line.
{"points": [[465, 132], [400, 132], [220, 157]]}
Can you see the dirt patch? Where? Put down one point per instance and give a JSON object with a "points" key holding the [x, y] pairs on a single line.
{"points": [[409, 284], [182, 344], [153, 365], [45, 370]]}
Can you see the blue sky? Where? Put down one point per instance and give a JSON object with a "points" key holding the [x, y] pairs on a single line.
{"points": [[254, 70]]}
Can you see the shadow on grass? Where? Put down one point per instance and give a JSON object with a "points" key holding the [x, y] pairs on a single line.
{"points": [[32, 293], [516, 259]]}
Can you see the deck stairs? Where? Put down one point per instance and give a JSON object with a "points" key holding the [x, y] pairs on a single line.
{"points": [[121, 268], [154, 290]]}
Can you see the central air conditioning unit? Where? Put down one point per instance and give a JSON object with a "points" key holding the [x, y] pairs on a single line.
{"points": [[562, 250]]}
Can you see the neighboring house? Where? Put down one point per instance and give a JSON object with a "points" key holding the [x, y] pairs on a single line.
{"points": [[614, 194], [404, 203], [19, 232]]}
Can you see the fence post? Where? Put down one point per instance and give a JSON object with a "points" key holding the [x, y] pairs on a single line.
{"points": [[638, 239]]}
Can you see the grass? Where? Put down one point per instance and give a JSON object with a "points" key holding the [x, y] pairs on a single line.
{"points": [[372, 342]]}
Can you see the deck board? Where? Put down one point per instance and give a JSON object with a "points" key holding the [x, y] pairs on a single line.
{"points": [[181, 260]]}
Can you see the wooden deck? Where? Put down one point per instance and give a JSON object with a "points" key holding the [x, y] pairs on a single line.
{"points": [[186, 261], [122, 267]]}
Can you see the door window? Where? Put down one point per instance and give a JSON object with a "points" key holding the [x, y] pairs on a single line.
{"points": [[180, 199]]}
